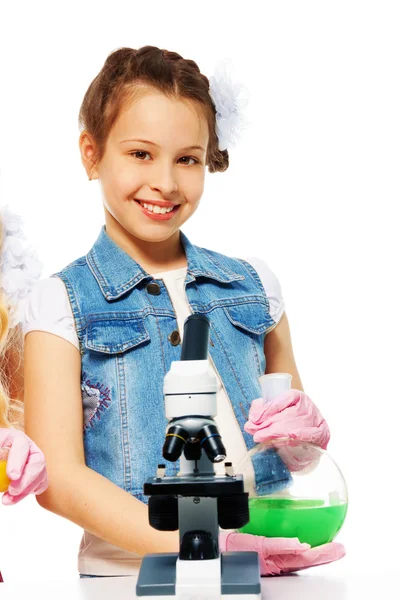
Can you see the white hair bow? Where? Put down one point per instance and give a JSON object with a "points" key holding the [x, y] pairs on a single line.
{"points": [[229, 99]]}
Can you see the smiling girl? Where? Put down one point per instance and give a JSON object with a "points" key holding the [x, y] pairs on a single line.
{"points": [[101, 333]]}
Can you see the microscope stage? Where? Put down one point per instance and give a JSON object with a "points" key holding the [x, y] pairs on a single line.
{"points": [[195, 485]]}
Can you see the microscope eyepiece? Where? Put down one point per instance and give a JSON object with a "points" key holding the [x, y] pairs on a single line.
{"points": [[211, 442], [175, 441], [196, 337]]}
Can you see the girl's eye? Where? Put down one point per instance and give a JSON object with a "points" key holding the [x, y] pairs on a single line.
{"points": [[187, 158], [140, 154]]}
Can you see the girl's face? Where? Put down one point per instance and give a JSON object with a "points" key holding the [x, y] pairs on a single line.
{"points": [[152, 172]]}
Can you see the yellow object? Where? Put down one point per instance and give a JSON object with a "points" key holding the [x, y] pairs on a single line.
{"points": [[4, 481]]}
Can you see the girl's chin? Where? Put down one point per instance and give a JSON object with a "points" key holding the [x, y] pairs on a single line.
{"points": [[152, 234]]}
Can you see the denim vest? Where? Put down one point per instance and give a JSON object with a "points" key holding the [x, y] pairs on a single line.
{"points": [[126, 347]]}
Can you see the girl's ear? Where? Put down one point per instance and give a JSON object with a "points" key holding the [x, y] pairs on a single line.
{"points": [[87, 148]]}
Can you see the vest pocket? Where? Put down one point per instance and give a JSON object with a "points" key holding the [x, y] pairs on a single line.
{"points": [[113, 336], [252, 317]]}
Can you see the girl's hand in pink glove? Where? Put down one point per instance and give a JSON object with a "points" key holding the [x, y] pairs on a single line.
{"points": [[290, 415], [281, 555], [26, 466]]}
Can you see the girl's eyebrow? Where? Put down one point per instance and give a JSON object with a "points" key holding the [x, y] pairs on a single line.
{"points": [[154, 144]]}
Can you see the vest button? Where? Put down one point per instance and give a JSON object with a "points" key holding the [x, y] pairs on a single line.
{"points": [[153, 289], [175, 338]]}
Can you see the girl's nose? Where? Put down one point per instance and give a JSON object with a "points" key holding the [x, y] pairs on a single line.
{"points": [[164, 181]]}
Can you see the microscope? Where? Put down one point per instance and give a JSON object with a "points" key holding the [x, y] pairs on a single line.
{"points": [[196, 501]]}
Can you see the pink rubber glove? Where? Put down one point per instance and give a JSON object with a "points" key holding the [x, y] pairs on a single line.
{"points": [[26, 466], [290, 415], [278, 556]]}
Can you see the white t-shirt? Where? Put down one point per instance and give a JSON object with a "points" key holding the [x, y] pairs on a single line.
{"points": [[48, 309]]}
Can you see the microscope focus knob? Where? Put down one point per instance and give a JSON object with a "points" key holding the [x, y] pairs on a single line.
{"points": [[233, 511], [163, 513]]}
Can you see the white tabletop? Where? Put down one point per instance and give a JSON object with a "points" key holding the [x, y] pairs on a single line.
{"points": [[294, 587]]}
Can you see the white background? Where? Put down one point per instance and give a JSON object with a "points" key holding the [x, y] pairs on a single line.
{"points": [[312, 188]]}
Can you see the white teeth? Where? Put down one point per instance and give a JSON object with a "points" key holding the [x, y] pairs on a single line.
{"points": [[158, 210]]}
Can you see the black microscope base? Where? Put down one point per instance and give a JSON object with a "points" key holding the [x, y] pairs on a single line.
{"points": [[240, 575]]}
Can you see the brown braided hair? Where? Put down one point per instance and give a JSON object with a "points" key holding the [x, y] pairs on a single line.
{"points": [[167, 72]]}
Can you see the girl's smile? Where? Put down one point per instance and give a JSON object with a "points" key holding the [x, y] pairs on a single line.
{"points": [[158, 210]]}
